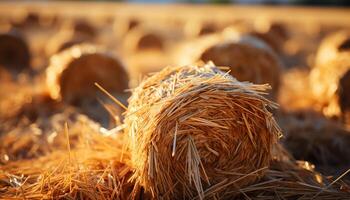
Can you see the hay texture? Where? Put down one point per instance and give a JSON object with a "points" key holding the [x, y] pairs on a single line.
{"points": [[94, 168], [330, 78], [195, 132], [73, 72], [248, 58]]}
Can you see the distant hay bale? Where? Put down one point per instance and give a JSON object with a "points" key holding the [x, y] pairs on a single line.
{"points": [[73, 72], [141, 38], [312, 137], [274, 34], [62, 41], [147, 48], [333, 46], [14, 51], [330, 78], [150, 38], [248, 58], [85, 28], [196, 132]]}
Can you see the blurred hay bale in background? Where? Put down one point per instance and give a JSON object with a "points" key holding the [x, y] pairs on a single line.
{"points": [[247, 58], [196, 132], [73, 72], [330, 78], [310, 136], [147, 48], [14, 51], [296, 93], [334, 46]]}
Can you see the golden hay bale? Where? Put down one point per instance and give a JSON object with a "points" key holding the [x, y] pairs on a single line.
{"points": [[196, 132], [333, 46], [73, 72], [330, 78], [249, 58], [14, 51]]}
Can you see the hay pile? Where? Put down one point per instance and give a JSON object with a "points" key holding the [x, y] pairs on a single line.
{"points": [[312, 137], [330, 78], [95, 169], [249, 58], [197, 132]]}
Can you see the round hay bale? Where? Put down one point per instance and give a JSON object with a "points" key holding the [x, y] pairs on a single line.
{"points": [[208, 28], [84, 28], [14, 51], [333, 46], [275, 35], [196, 132], [151, 38], [141, 39], [73, 72], [249, 58], [329, 78]]}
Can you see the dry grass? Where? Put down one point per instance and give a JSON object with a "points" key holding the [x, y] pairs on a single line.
{"points": [[95, 168], [196, 132]]}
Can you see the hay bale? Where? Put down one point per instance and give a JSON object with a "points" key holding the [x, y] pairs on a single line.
{"points": [[14, 51], [249, 58], [329, 79], [312, 137], [274, 34], [143, 38], [85, 28], [147, 48], [73, 72], [333, 46], [196, 132]]}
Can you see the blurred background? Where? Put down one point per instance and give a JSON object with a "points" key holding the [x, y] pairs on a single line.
{"points": [[52, 53]]}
